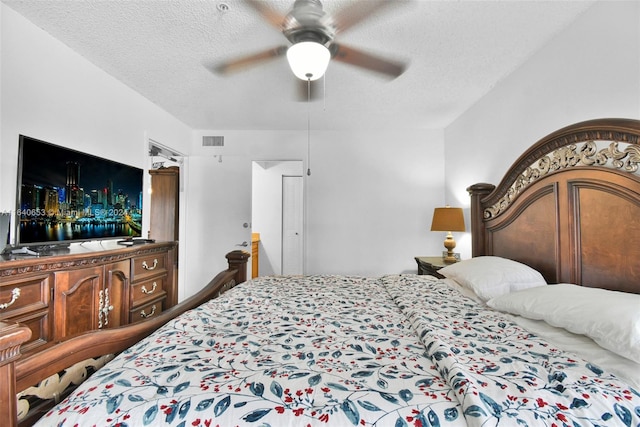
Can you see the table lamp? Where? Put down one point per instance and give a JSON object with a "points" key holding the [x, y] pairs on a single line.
{"points": [[448, 219]]}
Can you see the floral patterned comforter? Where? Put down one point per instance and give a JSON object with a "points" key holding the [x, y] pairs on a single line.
{"points": [[346, 351]]}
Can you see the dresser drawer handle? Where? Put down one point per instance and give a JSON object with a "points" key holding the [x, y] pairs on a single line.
{"points": [[15, 294], [146, 267], [145, 315], [144, 290]]}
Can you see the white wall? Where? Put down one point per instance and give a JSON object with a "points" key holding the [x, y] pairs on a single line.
{"points": [[591, 70], [369, 198], [51, 93]]}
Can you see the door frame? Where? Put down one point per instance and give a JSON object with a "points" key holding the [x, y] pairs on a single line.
{"points": [[266, 210]]}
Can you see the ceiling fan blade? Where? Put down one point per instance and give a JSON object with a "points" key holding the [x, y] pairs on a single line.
{"points": [[358, 12], [250, 60], [358, 58], [271, 16]]}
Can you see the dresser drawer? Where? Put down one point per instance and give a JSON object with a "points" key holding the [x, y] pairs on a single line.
{"points": [[145, 291], [24, 296], [39, 324], [147, 266], [147, 311]]}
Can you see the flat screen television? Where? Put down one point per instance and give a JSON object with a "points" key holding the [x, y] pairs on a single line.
{"points": [[66, 196]]}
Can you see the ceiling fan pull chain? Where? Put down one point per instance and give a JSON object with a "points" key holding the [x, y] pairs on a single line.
{"points": [[309, 127], [324, 92]]}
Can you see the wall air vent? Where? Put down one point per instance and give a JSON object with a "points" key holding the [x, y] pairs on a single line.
{"points": [[213, 141]]}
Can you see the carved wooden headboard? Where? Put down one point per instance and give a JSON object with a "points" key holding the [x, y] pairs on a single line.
{"points": [[569, 207]]}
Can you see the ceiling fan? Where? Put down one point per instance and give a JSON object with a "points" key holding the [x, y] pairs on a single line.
{"points": [[308, 26]]}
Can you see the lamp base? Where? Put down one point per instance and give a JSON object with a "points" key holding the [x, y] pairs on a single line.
{"points": [[450, 259], [450, 244], [456, 255]]}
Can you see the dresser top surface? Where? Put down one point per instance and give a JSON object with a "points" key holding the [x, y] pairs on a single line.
{"points": [[101, 250]]}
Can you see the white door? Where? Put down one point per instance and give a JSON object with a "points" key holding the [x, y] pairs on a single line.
{"points": [[292, 225], [217, 218]]}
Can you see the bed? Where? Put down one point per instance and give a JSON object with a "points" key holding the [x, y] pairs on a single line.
{"points": [[540, 327]]}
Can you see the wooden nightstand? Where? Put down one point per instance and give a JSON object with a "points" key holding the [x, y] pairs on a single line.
{"points": [[430, 265]]}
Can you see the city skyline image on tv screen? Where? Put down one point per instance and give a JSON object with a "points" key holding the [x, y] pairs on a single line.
{"points": [[65, 195]]}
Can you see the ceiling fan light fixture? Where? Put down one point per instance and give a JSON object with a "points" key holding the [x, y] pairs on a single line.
{"points": [[308, 60]]}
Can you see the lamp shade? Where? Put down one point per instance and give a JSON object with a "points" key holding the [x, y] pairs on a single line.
{"points": [[308, 60], [447, 219]]}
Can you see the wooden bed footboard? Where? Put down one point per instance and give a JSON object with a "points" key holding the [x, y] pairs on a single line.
{"points": [[18, 372]]}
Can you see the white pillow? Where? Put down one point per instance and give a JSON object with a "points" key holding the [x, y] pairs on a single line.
{"points": [[491, 276], [610, 318]]}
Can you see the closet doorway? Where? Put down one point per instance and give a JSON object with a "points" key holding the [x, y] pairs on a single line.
{"points": [[277, 211]]}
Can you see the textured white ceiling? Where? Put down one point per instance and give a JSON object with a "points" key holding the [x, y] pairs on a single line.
{"points": [[457, 51]]}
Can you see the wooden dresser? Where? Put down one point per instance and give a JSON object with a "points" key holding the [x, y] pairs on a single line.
{"points": [[88, 287]]}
